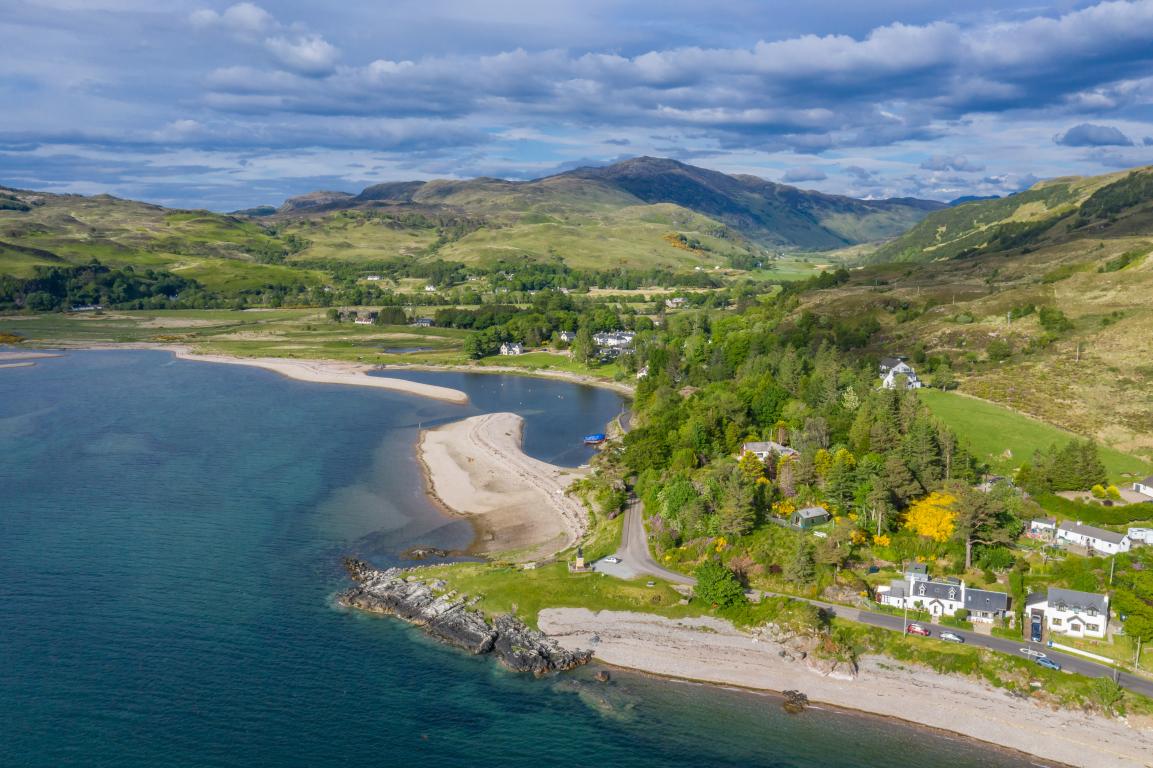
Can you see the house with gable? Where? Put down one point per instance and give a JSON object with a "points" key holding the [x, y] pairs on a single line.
{"points": [[942, 597], [1069, 612], [512, 348], [892, 369]]}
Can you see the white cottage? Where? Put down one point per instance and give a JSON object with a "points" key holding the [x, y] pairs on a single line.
{"points": [[892, 368], [763, 450], [1144, 487], [1072, 613], [512, 348], [942, 598], [1096, 539]]}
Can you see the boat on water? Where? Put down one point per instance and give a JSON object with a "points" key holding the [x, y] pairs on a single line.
{"points": [[594, 439]]}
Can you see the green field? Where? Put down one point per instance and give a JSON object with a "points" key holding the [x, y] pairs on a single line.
{"points": [[989, 430]]}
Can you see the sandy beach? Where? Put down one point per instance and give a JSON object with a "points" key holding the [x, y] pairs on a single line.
{"points": [[476, 468], [712, 650], [331, 372]]}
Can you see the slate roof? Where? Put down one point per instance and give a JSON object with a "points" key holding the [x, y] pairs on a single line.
{"points": [[811, 512], [1078, 602], [1091, 532], [986, 600], [768, 446]]}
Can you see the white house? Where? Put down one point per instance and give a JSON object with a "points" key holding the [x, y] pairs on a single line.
{"points": [[1095, 539], [1144, 487], [430, 289], [566, 336], [1042, 528], [942, 598], [368, 319], [614, 339], [1141, 535], [373, 278], [762, 450], [675, 303], [512, 348], [892, 367], [1072, 613], [422, 322]]}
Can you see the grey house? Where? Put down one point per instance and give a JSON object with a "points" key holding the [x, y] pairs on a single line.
{"points": [[810, 517]]}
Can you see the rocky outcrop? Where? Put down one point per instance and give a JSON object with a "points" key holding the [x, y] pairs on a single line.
{"points": [[806, 648], [450, 617]]}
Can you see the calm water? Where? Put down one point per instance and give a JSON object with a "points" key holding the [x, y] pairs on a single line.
{"points": [[170, 535]]}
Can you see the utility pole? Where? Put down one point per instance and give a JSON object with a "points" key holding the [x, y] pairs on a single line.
{"points": [[905, 624], [1137, 658], [1112, 565]]}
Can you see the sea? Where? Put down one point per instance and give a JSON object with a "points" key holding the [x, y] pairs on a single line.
{"points": [[171, 535]]}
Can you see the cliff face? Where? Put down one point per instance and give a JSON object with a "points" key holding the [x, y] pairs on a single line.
{"points": [[450, 618]]}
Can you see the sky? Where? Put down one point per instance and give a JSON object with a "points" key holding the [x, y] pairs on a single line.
{"points": [[222, 105]]}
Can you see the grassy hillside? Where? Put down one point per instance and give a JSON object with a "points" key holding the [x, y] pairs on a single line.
{"points": [[1004, 438], [1053, 322]]}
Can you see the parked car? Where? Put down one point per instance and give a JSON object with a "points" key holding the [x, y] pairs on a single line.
{"points": [[917, 629], [612, 559], [1035, 630], [1034, 654], [1048, 663], [952, 638]]}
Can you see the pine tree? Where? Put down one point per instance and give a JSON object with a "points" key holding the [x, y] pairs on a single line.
{"points": [[799, 569]]}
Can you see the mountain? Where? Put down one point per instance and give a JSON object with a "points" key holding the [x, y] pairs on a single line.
{"points": [[1049, 212], [972, 199], [765, 213], [640, 214]]}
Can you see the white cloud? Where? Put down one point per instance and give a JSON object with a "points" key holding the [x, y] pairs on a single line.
{"points": [[309, 55], [242, 18]]}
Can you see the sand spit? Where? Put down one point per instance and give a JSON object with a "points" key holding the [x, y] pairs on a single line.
{"points": [[331, 372], [476, 468]]}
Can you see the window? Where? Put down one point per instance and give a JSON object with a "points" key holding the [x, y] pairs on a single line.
{"points": [[1091, 628], [1055, 622]]}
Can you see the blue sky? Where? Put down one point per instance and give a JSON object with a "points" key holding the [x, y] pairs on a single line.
{"points": [[225, 105]]}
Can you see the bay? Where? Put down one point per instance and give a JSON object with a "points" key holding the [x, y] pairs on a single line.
{"points": [[170, 544]]}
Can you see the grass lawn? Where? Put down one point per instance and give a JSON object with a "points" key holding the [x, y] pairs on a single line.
{"points": [[988, 430], [551, 361], [505, 589]]}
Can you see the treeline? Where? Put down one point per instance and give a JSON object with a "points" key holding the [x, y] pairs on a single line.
{"points": [[1075, 466], [61, 288]]}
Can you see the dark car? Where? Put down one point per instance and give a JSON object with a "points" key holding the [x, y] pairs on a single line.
{"points": [[1035, 633], [952, 637]]}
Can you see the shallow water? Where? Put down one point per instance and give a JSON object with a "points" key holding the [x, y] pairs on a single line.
{"points": [[170, 542]]}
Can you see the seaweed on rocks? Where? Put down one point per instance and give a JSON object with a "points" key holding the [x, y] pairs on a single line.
{"points": [[451, 618]]}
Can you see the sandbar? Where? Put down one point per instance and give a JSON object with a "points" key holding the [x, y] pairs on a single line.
{"points": [[476, 468]]}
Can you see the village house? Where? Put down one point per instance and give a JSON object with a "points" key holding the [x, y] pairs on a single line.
{"points": [[422, 322], [430, 289], [1144, 487], [566, 337], [512, 348], [1043, 528], [1093, 539], [891, 371], [365, 319], [762, 450], [1141, 535], [942, 598], [373, 278], [676, 302], [614, 339], [809, 517], [1069, 612]]}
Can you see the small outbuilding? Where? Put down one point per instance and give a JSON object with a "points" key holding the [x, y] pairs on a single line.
{"points": [[810, 517]]}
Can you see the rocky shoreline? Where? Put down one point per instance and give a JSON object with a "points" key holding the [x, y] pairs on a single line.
{"points": [[451, 618]]}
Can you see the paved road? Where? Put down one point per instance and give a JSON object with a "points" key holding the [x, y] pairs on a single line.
{"points": [[636, 560]]}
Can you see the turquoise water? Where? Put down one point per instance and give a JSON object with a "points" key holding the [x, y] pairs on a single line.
{"points": [[170, 537]]}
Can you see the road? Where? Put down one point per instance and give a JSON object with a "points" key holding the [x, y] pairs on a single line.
{"points": [[633, 553], [636, 560]]}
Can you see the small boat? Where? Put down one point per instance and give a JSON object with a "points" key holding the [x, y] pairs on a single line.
{"points": [[594, 439]]}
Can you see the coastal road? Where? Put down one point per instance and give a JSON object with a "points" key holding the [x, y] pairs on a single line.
{"points": [[633, 553], [636, 560]]}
